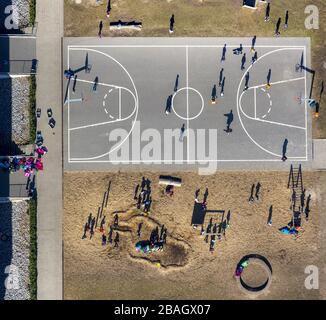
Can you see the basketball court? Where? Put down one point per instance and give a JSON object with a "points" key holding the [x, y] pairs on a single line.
{"points": [[132, 96]]}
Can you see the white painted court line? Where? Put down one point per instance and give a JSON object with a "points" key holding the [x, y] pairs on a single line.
{"points": [[277, 82], [270, 102], [105, 85], [294, 159], [267, 121], [187, 85], [119, 89], [239, 104], [119, 103], [255, 102], [169, 46], [107, 122], [68, 136], [187, 90], [306, 109], [136, 109], [74, 47], [101, 123]]}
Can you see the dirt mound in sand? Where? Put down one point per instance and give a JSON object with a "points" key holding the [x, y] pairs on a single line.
{"points": [[175, 251], [174, 255]]}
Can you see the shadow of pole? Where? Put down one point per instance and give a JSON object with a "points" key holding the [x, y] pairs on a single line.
{"points": [[312, 72]]}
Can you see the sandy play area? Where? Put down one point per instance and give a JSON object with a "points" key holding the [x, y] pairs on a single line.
{"points": [[186, 269]]}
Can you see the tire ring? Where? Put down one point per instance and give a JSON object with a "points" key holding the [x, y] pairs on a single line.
{"points": [[263, 262]]}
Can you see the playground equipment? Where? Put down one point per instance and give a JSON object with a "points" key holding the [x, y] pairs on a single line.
{"points": [[295, 182], [250, 260], [118, 25], [169, 180], [251, 4]]}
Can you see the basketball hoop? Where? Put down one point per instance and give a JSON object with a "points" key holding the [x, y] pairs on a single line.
{"points": [[312, 103], [298, 67]]}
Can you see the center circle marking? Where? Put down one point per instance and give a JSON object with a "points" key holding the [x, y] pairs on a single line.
{"points": [[202, 103]]}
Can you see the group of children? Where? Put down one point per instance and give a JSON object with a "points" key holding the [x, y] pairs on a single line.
{"points": [[107, 237], [27, 164], [143, 195], [156, 241], [214, 230]]}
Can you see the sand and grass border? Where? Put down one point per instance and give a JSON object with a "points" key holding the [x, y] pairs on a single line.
{"points": [[33, 249], [32, 12], [32, 109]]}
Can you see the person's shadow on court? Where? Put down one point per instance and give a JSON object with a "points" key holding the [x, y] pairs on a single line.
{"points": [[229, 120], [284, 149], [223, 53], [176, 84], [168, 104], [269, 76], [214, 93], [95, 84], [247, 81]]}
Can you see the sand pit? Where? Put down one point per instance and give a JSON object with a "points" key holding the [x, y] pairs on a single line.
{"points": [[186, 269]]}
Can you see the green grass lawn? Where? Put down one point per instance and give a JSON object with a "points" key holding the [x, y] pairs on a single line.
{"points": [[208, 18]]}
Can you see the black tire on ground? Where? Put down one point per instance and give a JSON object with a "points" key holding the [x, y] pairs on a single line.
{"points": [[262, 261]]}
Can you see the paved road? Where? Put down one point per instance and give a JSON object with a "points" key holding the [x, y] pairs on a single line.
{"points": [[50, 31]]}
